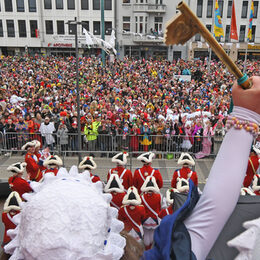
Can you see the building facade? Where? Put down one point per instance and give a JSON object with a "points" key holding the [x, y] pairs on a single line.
{"points": [[41, 26]]}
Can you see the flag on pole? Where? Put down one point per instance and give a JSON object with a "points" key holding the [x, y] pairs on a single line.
{"points": [[233, 26], [218, 28], [249, 34], [112, 39], [88, 38]]}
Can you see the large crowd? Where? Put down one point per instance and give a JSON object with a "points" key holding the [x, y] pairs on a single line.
{"points": [[126, 105]]}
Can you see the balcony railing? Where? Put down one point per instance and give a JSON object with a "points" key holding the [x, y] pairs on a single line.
{"points": [[149, 8]]}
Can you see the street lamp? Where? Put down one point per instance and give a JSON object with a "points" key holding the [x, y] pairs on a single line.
{"points": [[75, 22]]}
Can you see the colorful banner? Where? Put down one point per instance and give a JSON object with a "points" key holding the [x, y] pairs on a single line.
{"points": [[249, 34], [218, 28], [233, 26]]}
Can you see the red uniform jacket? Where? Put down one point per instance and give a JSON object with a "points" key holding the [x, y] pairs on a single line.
{"points": [[33, 168], [154, 202], [137, 213], [117, 199], [123, 174], [141, 174], [94, 178], [9, 224], [38, 155], [165, 212], [252, 167], [184, 173], [54, 170], [19, 184]]}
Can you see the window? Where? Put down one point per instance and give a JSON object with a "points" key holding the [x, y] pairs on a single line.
{"points": [[108, 28], [158, 21], [33, 28], [244, 9], [85, 24], [71, 4], [72, 29], [59, 4], [199, 8], [96, 28], [20, 5], [10, 28], [146, 24], [47, 4], [84, 5], [1, 29], [96, 4], [197, 37], [126, 23], [209, 8], [253, 33], [32, 5], [141, 25], [126, 1], [208, 26], [242, 33], [49, 27], [108, 4], [227, 34], [176, 55], [255, 9], [22, 28], [229, 9], [8, 6], [60, 27], [220, 6], [136, 24]]}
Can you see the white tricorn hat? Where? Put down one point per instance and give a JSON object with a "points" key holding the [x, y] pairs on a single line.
{"points": [[185, 158], [150, 185], [182, 185], [256, 148], [37, 143], [132, 197], [170, 195], [13, 202], [246, 191], [120, 158], [28, 144], [87, 163], [256, 183], [52, 160], [114, 184], [17, 167], [146, 157]]}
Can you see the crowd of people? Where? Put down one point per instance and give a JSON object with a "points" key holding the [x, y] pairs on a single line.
{"points": [[134, 105]]}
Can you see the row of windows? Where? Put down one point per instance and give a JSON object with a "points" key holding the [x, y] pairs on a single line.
{"points": [[242, 33], [59, 4], [60, 25], [244, 11]]}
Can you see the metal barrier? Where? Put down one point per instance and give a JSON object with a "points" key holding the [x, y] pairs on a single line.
{"points": [[165, 146]]}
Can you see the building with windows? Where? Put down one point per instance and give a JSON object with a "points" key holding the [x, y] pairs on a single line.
{"points": [[41, 26]]}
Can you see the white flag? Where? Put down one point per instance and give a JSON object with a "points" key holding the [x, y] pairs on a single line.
{"points": [[112, 39], [88, 38]]}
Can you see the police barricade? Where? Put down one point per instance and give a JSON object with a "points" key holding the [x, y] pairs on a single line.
{"points": [[105, 145]]}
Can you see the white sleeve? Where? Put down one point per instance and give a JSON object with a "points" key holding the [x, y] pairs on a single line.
{"points": [[222, 189]]}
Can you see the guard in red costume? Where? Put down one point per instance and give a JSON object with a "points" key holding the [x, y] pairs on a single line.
{"points": [[17, 182], [11, 208], [88, 164], [133, 214], [152, 201], [33, 167], [247, 192], [253, 164], [124, 174], [170, 200], [141, 174], [115, 188], [185, 172], [52, 163], [256, 184], [39, 155]]}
